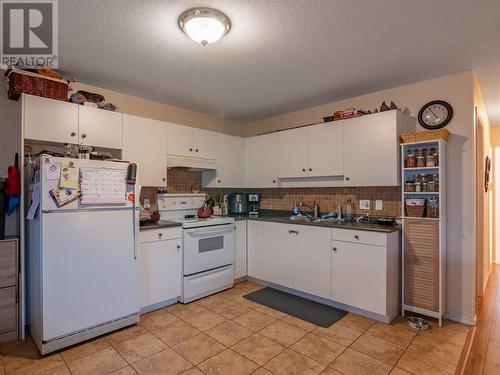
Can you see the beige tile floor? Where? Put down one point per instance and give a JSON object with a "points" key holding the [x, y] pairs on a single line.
{"points": [[227, 334]]}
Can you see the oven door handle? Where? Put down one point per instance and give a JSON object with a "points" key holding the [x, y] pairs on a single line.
{"points": [[219, 229]]}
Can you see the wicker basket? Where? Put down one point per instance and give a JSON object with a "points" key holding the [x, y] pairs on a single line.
{"points": [[428, 135], [23, 82], [415, 211]]}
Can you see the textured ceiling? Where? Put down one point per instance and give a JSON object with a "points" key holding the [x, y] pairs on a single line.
{"points": [[280, 55]]}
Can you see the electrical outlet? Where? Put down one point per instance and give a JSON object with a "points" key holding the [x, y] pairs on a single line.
{"points": [[364, 204], [378, 205]]}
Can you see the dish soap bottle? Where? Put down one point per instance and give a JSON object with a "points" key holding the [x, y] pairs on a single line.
{"points": [[295, 209], [348, 210]]}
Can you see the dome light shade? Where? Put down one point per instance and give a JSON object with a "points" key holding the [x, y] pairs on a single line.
{"points": [[204, 25]]}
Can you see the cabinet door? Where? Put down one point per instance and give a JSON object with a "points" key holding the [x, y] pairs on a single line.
{"points": [[371, 150], [262, 159], [50, 120], [278, 253], [160, 271], [230, 157], [255, 249], [359, 276], [203, 143], [180, 140], [8, 309], [100, 128], [313, 261], [292, 153], [145, 143], [8, 263], [240, 249], [326, 152]]}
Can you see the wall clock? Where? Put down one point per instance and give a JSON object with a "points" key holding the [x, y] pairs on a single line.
{"points": [[435, 115]]}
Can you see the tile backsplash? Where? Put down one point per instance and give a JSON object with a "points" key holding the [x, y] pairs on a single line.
{"points": [[183, 180]]}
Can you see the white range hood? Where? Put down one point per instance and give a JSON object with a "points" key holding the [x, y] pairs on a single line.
{"points": [[193, 163]]}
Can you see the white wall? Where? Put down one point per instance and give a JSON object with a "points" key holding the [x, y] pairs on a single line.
{"points": [[457, 89]]}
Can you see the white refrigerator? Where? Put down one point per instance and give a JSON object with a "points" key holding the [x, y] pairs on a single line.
{"points": [[83, 273]]}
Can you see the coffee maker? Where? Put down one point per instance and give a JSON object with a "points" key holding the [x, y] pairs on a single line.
{"points": [[253, 204]]}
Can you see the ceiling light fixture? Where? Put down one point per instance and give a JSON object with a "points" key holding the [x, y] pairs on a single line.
{"points": [[204, 25]]}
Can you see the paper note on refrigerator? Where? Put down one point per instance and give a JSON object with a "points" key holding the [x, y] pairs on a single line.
{"points": [[53, 171], [69, 176], [102, 186]]}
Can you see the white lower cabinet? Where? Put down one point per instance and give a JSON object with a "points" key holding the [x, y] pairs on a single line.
{"points": [[358, 277], [160, 261], [255, 249], [240, 249], [278, 254], [313, 260]]}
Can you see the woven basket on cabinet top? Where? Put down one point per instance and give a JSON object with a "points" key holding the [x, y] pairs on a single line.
{"points": [[428, 135]]}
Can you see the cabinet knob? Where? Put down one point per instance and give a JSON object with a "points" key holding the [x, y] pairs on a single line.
{"points": [[196, 150], [191, 150], [310, 169], [84, 135], [347, 178], [303, 169], [218, 181], [164, 179], [334, 249], [274, 181], [178, 247], [73, 134], [356, 237], [160, 235]]}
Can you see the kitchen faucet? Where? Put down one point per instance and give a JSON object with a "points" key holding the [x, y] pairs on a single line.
{"points": [[314, 208]]}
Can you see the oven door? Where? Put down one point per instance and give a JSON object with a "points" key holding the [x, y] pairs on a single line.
{"points": [[207, 248]]}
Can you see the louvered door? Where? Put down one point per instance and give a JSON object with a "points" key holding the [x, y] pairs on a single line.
{"points": [[421, 269]]}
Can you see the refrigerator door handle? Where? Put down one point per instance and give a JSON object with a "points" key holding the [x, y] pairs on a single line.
{"points": [[136, 231]]}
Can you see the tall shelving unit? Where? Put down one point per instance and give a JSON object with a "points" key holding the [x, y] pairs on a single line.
{"points": [[424, 240]]}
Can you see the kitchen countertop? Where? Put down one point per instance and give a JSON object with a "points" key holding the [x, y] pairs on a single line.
{"points": [[276, 216], [160, 224]]}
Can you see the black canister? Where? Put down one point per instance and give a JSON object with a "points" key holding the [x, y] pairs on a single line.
{"points": [[131, 173]]}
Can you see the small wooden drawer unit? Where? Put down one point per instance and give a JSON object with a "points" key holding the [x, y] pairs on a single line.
{"points": [[8, 289]]}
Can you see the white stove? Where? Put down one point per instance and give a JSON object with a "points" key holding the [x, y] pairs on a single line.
{"points": [[182, 208], [208, 245]]}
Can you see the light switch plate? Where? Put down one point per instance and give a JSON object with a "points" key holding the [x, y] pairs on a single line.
{"points": [[378, 204], [364, 204]]}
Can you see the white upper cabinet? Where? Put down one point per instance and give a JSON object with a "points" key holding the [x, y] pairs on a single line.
{"points": [[203, 143], [262, 161], [50, 120], [313, 260], [326, 152], [292, 153], [312, 151], [230, 155], [180, 140], [100, 128], [145, 143], [371, 149], [191, 142]]}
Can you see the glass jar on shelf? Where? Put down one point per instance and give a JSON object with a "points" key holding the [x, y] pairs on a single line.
{"points": [[418, 186], [411, 160], [420, 152], [430, 161], [425, 187], [431, 186], [409, 186], [422, 177], [420, 161], [432, 207]]}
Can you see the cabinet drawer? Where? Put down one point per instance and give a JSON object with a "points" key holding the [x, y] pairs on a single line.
{"points": [[8, 263], [360, 236], [8, 309], [152, 235]]}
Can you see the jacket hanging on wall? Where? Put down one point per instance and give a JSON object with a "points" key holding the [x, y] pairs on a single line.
{"points": [[13, 189]]}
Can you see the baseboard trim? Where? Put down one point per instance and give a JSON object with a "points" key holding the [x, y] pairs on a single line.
{"points": [[462, 319], [464, 357]]}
